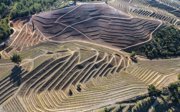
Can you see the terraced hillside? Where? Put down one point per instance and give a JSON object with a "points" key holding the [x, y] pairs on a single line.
{"points": [[97, 23], [164, 66], [144, 104], [152, 77], [164, 10], [24, 36], [94, 22], [58, 69], [164, 100], [74, 76], [73, 58]]}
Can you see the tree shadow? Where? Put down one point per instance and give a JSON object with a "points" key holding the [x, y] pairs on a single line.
{"points": [[15, 76]]}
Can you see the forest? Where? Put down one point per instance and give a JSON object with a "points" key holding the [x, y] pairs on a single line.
{"points": [[165, 44]]}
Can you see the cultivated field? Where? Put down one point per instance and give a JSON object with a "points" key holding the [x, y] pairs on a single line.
{"points": [[61, 71], [97, 23], [163, 10], [73, 58], [74, 76]]}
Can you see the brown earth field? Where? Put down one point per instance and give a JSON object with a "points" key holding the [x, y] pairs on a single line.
{"points": [[97, 23]]}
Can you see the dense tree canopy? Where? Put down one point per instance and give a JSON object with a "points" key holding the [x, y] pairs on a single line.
{"points": [[165, 43], [4, 29]]}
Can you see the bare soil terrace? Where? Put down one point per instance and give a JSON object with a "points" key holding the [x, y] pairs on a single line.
{"points": [[97, 23]]}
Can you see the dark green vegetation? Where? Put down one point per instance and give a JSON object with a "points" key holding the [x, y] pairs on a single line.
{"points": [[133, 56], [152, 91], [5, 30], [165, 100], [16, 58], [165, 44], [79, 88], [107, 109], [168, 99], [11, 9], [15, 76]]}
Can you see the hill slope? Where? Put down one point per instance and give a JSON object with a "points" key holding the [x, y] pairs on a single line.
{"points": [[97, 23]]}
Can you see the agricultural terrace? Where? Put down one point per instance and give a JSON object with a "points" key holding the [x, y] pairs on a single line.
{"points": [[73, 58], [98, 23], [63, 74], [150, 9]]}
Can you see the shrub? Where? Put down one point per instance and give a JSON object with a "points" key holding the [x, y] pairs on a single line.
{"points": [[79, 88], [152, 91], [70, 93], [16, 58], [119, 108], [133, 54], [106, 109]]}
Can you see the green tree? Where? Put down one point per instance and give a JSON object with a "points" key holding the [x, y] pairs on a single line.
{"points": [[106, 109], [79, 87], [16, 58], [5, 30], [133, 54], [152, 91], [70, 93], [165, 44], [175, 96]]}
